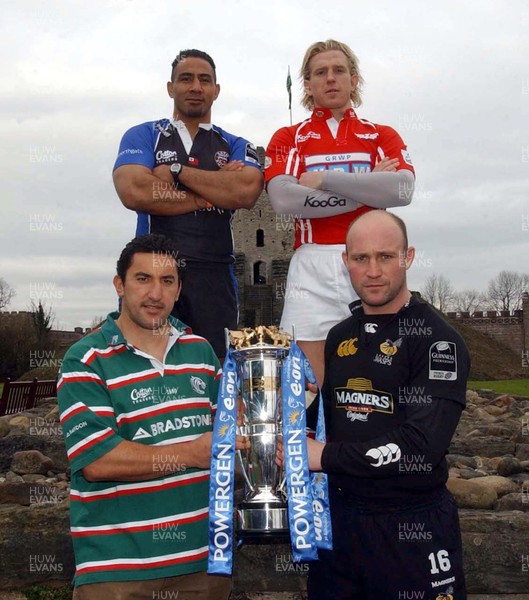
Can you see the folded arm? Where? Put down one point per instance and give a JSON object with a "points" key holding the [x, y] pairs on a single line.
{"points": [[288, 197], [376, 189], [228, 188], [424, 436], [143, 190]]}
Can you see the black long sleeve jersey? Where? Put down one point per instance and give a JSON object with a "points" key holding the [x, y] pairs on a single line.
{"points": [[394, 389]]}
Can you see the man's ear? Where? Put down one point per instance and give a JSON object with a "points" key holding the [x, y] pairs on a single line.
{"points": [[344, 258], [179, 290], [217, 91], [170, 88], [410, 255], [119, 285]]}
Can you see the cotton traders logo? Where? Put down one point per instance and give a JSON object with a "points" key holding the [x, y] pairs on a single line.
{"points": [[153, 394], [198, 385], [166, 156], [347, 347], [359, 398], [221, 158], [141, 395], [443, 361]]}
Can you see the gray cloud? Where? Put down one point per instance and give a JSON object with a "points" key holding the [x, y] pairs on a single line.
{"points": [[76, 76]]}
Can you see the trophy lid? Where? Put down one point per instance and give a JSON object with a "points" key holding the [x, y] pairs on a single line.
{"points": [[267, 338]]}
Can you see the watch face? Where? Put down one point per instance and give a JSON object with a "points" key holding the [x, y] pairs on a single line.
{"points": [[176, 168]]}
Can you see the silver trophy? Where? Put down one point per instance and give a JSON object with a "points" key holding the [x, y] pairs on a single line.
{"points": [[259, 355]]}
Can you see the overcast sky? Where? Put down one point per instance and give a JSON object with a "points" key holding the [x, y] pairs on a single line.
{"points": [[451, 77]]}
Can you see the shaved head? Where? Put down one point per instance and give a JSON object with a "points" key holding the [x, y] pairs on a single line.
{"points": [[377, 215]]}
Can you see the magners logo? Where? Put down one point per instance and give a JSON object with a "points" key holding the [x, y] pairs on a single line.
{"points": [[347, 347], [360, 397]]}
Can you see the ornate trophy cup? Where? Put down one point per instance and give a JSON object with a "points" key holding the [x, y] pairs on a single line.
{"points": [[259, 356], [262, 396]]}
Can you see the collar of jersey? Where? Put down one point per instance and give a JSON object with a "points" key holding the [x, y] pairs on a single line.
{"points": [[356, 306], [323, 114], [179, 125], [114, 337]]}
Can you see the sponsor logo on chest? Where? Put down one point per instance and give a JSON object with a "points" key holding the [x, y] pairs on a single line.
{"points": [[153, 395], [347, 162], [303, 137], [388, 349], [173, 425], [359, 399], [347, 347], [166, 156]]}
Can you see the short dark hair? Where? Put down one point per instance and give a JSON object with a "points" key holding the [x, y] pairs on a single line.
{"points": [[192, 52], [150, 243]]}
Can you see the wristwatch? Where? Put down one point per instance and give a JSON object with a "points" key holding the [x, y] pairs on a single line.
{"points": [[176, 169]]}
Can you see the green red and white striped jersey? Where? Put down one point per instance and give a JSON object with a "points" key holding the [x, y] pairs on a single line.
{"points": [[109, 391]]}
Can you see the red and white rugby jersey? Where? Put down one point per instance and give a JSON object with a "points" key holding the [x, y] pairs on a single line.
{"points": [[321, 143]]}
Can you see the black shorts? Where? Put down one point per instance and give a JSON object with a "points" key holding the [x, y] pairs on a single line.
{"points": [[391, 554], [208, 302]]}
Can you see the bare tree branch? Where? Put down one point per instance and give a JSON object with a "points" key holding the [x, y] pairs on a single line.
{"points": [[469, 301], [506, 289], [438, 291], [6, 293]]}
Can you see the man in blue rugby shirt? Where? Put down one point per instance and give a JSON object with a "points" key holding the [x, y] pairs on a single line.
{"points": [[184, 177]]}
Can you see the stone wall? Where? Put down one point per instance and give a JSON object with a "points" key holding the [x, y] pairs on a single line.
{"points": [[510, 329], [263, 243], [489, 476]]}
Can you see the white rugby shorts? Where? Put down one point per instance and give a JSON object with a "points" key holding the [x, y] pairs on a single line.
{"points": [[318, 291]]}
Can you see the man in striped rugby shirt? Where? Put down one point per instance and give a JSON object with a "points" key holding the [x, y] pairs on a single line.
{"points": [[137, 399]]}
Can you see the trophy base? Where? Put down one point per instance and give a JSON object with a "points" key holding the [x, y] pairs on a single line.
{"points": [[263, 522]]}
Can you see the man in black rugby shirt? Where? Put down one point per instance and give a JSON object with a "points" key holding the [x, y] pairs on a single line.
{"points": [[394, 389]]}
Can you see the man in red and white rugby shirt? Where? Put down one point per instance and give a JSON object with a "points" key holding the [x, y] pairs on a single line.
{"points": [[327, 171]]}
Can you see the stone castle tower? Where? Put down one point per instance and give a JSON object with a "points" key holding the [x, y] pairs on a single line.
{"points": [[263, 246]]}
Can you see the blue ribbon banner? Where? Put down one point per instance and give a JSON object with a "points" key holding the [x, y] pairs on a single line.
{"points": [[308, 495], [308, 501], [221, 486], [320, 492], [319, 481]]}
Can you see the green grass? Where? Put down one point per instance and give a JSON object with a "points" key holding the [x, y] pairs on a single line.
{"points": [[518, 387], [39, 592]]}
